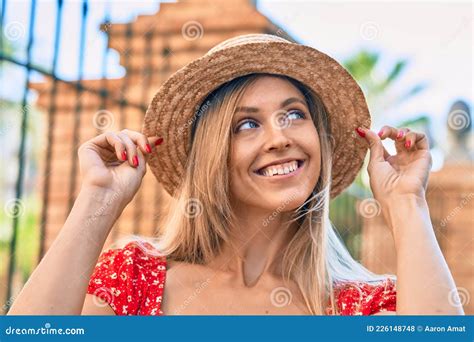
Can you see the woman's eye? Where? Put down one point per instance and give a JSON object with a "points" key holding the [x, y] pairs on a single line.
{"points": [[246, 125], [294, 114]]}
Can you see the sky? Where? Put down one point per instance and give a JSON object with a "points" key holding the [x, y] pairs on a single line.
{"points": [[436, 38]]}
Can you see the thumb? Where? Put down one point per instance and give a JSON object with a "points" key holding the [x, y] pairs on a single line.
{"points": [[375, 144]]}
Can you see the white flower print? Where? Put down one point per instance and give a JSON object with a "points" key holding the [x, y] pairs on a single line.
{"points": [[113, 275]]}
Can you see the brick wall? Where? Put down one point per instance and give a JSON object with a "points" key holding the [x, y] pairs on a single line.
{"points": [[450, 197], [160, 43]]}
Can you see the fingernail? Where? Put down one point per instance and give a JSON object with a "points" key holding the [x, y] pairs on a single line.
{"points": [[135, 161], [360, 132], [380, 133], [159, 141], [407, 144], [124, 155], [400, 134], [148, 148]]}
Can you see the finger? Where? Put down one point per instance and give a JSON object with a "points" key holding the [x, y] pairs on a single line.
{"points": [[377, 152], [131, 149], [410, 140], [111, 141], [393, 133], [420, 140], [145, 143]]}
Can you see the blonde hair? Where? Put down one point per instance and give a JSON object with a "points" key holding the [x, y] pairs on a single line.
{"points": [[200, 216]]}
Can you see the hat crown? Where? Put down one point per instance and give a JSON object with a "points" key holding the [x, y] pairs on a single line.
{"points": [[247, 39]]}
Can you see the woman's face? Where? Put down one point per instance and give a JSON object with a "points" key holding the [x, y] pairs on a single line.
{"points": [[275, 156]]}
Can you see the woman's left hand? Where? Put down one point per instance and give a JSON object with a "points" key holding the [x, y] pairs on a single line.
{"points": [[405, 173]]}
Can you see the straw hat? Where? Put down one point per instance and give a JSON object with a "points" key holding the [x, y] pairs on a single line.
{"points": [[173, 109]]}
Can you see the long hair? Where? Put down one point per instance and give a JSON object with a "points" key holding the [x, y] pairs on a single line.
{"points": [[200, 216]]}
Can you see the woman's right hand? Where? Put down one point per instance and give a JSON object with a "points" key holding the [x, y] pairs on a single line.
{"points": [[116, 161]]}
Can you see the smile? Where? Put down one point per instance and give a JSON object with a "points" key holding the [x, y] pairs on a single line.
{"points": [[284, 170]]}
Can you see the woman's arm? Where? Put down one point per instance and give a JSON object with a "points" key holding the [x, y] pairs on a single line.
{"points": [[112, 167], [399, 184], [58, 285], [424, 282]]}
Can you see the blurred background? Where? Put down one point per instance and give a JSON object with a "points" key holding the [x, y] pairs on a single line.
{"points": [[70, 70]]}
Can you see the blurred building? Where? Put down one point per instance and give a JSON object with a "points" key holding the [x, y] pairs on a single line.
{"points": [[152, 48]]}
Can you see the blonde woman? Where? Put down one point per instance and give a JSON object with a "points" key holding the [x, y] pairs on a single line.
{"points": [[256, 137]]}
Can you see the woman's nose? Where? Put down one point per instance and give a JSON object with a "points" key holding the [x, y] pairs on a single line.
{"points": [[276, 133]]}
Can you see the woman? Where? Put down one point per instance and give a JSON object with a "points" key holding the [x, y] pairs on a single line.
{"points": [[252, 153]]}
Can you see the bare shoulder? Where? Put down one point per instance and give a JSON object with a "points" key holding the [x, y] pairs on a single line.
{"points": [[93, 305], [385, 313]]}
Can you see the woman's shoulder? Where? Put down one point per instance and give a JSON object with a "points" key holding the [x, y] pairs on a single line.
{"points": [[139, 254], [129, 278], [365, 298]]}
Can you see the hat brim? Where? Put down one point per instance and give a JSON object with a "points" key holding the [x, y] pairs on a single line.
{"points": [[173, 108]]}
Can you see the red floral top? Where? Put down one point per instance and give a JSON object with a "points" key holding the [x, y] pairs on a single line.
{"points": [[131, 280]]}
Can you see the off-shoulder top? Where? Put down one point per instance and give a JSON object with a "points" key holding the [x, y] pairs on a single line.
{"points": [[132, 280]]}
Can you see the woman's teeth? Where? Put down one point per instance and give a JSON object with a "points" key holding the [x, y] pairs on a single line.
{"points": [[281, 169]]}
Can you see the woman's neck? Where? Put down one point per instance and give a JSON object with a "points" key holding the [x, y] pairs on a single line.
{"points": [[256, 245]]}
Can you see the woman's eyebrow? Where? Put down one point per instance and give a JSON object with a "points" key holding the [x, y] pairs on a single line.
{"points": [[283, 104]]}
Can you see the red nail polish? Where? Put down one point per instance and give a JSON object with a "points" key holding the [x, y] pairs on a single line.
{"points": [[407, 144], [148, 148], [380, 133], [124, 155], [135, 161], [400, 134], [159, 141], [360, 132]]}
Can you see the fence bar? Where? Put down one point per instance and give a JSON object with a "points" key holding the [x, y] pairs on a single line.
{"points": [[76, 85], [21, 159], [78, 109], [123, 92], [51, 127], [146, 81]]}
